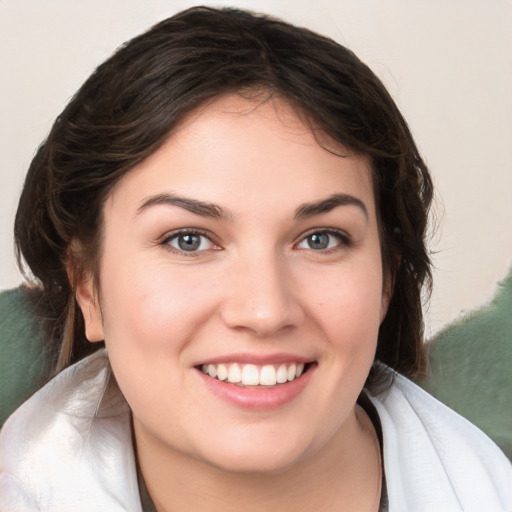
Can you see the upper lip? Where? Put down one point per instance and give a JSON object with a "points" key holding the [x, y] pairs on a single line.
{"points": [[256, 359]]}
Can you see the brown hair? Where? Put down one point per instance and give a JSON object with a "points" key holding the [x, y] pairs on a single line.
{"points": [[131, 103]]}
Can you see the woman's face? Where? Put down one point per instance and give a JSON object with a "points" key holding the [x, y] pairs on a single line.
{"points": [[237, 256]]}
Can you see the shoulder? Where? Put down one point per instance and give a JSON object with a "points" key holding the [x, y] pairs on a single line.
{"points": [[69, 446], [435, 459]]}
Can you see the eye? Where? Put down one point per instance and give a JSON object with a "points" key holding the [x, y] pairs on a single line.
{"points": [[323, 240], [189, 241]]}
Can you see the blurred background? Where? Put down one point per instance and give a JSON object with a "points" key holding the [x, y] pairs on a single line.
{"points": [[448, 64]]}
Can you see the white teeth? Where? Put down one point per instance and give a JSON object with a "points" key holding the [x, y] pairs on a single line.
{"points": [[253, 375], [212, 370], [234, 374], [291, 371], [250, 375], [268, 376], [222, 372], [282, 374]]}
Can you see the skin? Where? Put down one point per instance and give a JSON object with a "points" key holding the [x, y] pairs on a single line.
{"points": [[255, 287]]}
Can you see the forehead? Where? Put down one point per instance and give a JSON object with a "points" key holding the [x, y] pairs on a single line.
{"points": [[240, 151]]}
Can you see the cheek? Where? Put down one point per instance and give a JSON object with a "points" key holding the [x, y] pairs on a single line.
{"points": [[346, 304], [149, 306], [149, 318], [348, 297]]}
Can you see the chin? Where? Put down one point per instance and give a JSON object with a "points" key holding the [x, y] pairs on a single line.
{"points": [[258, 458], [249, 465]]}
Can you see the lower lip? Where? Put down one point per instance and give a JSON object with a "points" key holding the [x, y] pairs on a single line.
{"points": [[257, 398]]}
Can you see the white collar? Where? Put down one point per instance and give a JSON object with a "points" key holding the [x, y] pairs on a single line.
{"points": [[75, 431]]}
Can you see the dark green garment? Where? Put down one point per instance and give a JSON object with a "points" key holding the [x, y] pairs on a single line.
{"points": [[24, 361], [471, 367], [145, 498]]}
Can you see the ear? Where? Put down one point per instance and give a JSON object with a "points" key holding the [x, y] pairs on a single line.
{"points": [[87, 299]]}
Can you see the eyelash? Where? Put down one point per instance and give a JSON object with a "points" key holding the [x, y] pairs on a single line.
{"points": [[166, 241], [344, 240]]}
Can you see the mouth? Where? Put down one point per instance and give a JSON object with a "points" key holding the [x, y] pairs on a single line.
{"points": [[256, 376], [252, 385]]}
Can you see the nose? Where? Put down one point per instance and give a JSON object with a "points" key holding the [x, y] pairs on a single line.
{"points": [[261, 298]]}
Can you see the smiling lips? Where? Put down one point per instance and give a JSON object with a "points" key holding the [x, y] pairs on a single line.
{"points": [[257, 386], [254, 375]]}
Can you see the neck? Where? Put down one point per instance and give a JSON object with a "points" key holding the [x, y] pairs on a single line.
{"points": [[344, 475]]}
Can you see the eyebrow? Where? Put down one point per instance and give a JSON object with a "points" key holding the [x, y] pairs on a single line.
{"points": [[206, 209], [330, 203], [201, 208]]}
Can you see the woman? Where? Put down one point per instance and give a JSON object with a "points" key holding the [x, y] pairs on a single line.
{"points": [[227, 223]]}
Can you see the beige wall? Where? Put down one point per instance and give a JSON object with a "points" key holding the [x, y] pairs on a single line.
{"points": [[448, 63]]}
